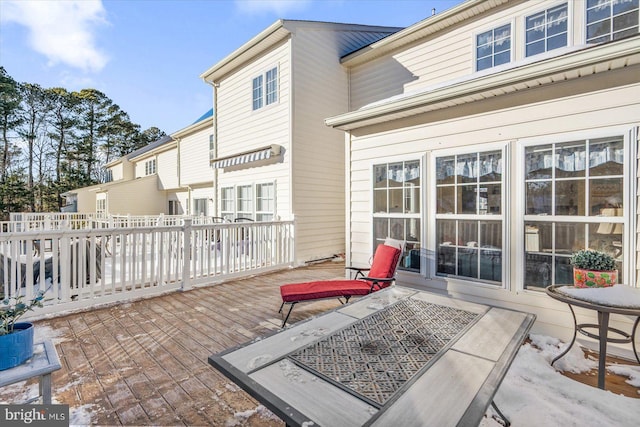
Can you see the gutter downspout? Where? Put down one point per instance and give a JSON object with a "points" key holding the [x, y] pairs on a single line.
{"points": [[215, 87]]}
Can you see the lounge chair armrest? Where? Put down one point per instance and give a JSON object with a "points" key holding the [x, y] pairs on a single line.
{"points": [[358, 270], [376, 280]]}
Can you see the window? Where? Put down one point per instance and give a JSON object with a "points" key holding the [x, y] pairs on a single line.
{"points": [[200, 207], [574, 193], [258, 87], [174, 207], [150, 167], [611, 19], [272, 86], [227, 209], [493, 47], [265, 202], [546, 30], [212, 154], [108, 175], [469, 217], [244, 204], [239, 202], [257, 93], [101, 206], [396, 208]]}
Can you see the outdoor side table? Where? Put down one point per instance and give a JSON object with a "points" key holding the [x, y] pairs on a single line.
{"points": [[601, 300], [42, 364]]}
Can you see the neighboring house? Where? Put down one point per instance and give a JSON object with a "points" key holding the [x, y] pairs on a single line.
{"points": [[496, 138], [273, 157], [197, 191], [136, 186]]}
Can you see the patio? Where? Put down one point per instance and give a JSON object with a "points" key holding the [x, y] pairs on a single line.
{"points": [[145, 362]]}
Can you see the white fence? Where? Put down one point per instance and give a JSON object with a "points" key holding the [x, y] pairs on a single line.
{"points": [[80, 268]]}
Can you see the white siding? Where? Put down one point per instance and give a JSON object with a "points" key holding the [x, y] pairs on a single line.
{"points": [[320, 88], [194, 158], [167, 163], [449, 55], [241, 129], [617, 107]]}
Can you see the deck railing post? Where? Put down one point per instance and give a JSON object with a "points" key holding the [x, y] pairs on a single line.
{"points": [[186, 251]]}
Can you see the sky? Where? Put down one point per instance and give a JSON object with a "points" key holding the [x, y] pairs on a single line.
{"points": [[147, 55]]}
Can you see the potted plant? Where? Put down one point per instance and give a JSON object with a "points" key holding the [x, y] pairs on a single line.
{"points": [[593, 269], [16, 339]]}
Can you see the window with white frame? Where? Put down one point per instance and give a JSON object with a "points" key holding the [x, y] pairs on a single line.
{"points": [[108, 175], [493, 47], [265, 89], [211, 148], [150, 167], [252, 201], [546, 30], [227, 206], [265, 201], [101, 206], [272, 86], [200, 207], [574, 199], [611, 19], [469, 215], [396, 208], [174, 207]]}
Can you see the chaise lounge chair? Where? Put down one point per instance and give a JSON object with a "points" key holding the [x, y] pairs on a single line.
{"points": [[380, 275]]}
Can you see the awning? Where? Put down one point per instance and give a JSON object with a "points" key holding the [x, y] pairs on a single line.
{"points": [[262, 153]]}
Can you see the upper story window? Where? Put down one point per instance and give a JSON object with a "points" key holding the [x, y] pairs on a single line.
{"points": [[262, 95], [469, 217], [574, 199], [493, 47], [108, 175], [396, 208], [546, 30], [611, 19], [150, 167], [211, 148]]}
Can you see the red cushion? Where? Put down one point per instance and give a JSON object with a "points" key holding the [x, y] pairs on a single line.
{"points": [[323, 289], [384, 262]]}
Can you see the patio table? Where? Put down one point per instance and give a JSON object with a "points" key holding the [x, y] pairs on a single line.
{"points": [[396, 357], [626, 302]]}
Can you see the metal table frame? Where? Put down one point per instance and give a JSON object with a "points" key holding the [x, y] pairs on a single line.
{"points": [[41, 365], [604, 312]]}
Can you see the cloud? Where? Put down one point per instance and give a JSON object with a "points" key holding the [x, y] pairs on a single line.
{"points": [[279, 7], [63, 31]]}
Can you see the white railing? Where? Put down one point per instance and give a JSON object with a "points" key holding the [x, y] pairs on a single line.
{"points": [[29, 221], [87, 267]]}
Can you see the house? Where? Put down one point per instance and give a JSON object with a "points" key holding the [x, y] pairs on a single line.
{"points": [[156, 179], [496, 138], [272, 155]]}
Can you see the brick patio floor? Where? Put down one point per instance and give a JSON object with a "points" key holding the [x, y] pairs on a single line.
{"points": [[145, 362]]}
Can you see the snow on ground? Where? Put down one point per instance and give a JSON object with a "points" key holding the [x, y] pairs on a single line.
{"points": [[532, 394], [536, 394]]}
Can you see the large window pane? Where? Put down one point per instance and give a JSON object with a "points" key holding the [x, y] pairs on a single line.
{"points": [[396, 208], [611, 19]]}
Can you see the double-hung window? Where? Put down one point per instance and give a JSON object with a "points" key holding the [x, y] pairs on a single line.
{"points": [[212, 153], [493, 47], [611, 19], [252, 201], [546, 30], [469, 215], [200, 207], [574, 194], [265, 89], [396, 208], [150, 167], [227, 200]]}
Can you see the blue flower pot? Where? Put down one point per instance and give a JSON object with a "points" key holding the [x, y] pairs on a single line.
{"points": [[16, 347]]}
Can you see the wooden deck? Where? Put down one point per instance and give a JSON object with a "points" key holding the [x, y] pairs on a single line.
{"points": [[145, 362]]}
